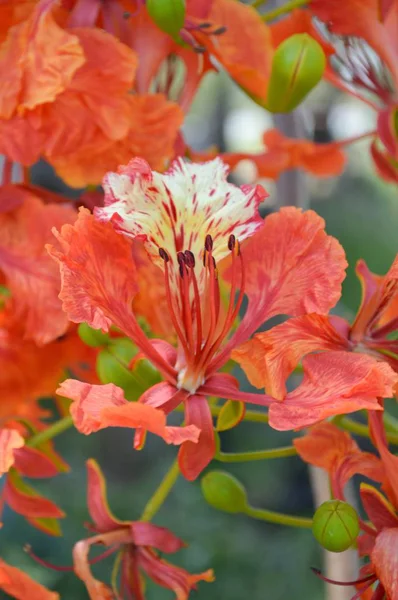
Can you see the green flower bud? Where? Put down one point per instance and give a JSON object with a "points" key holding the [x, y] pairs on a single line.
{"points": [[230, 415], [113, 366], [335, 525], [222, 491], [168, 15], [92, 337], [297, 66]]}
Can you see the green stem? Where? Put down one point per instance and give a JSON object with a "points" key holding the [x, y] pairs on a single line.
{"points": [[232, 457], [51, 432], [280, 518], [363, 430], [154, 503], [282, 10], [390, 422]]}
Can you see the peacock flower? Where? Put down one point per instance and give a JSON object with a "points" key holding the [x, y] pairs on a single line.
{"points": [[328, 447], [138, 545], [206, 238]]}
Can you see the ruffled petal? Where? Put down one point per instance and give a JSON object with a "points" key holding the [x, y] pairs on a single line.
{"points": [[245, 48], [292, 268], [193, 458], [18, 585], [271, 356], [31, 275], [174, 578], [147, 534], [329, 448], [385, 560], [10, 440], [98, 406], [97, 502], [334, 383]]}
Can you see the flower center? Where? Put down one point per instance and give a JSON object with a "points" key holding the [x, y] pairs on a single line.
{"points": [[200, 321]]}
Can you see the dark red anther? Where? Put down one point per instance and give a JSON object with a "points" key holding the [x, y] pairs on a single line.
{"points": [[199, 49], [219, 31], [231, 242], [204, 25], [189, 259], [208, 243], [181, 258], [163, 255]]}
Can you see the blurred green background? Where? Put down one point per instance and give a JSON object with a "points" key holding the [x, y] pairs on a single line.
{"points": [[251, 559]]}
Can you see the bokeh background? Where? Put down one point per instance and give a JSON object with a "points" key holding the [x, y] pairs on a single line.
{"points": [[251, 559]]}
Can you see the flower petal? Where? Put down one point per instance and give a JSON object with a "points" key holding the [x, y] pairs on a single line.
{"points": [[97, 502], [18, 585], [378, 509], [328, 447], [31, 275], [271, 356], [27, 502], [292, 268], [10, 440], [193, 458], [169, 576], [98, 406], [245, 48], [385, 560], [26, 81], [176, 210], [390, 460], [33, 462], [147, 534], [334, 383]]}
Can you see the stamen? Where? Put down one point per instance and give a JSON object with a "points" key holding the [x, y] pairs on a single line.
{"points": [[318, 573], [67, 569], [208, 243], [163, 254], [189, 259], [231, 242]]}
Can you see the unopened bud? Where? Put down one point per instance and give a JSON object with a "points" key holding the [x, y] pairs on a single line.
{"points": [[335, 525], [222, 491], [92, 337], [168, 15]]}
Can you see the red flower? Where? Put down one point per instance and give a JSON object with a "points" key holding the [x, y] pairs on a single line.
{"points": [[138, 545], [189, 220], [271, 356]]}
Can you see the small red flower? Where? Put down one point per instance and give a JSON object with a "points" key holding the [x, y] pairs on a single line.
{"points": [[138, 545]]}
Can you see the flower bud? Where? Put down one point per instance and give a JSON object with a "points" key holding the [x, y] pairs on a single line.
{"points": [[168, 15], [335, 525], [114, 366], [92, 337], [297, 66], [222, 491]]}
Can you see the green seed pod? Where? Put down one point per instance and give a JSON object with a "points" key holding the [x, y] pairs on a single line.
{"points": [[335, 525], [92, 337], [222, 491], [113, 366], [168, 15], [297, 66]]}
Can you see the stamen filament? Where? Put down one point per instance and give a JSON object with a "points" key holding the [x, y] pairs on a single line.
{"points": [[318, 573]]}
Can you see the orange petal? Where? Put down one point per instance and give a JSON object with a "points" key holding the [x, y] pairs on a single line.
{"points": [[245, 48], [94, 263], [298, 21], [27, 502], [148, 534], [153, 140], [31, 275], [378, 509], [385, 561], [292, 268], [271, 356], [10, 440], [31, 82], [334, 383], [329, 448], [18, 585]]}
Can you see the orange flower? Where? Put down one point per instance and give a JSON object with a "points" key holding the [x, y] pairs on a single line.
{"points": [[271, 356], [190, 219], [18, 585]]}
